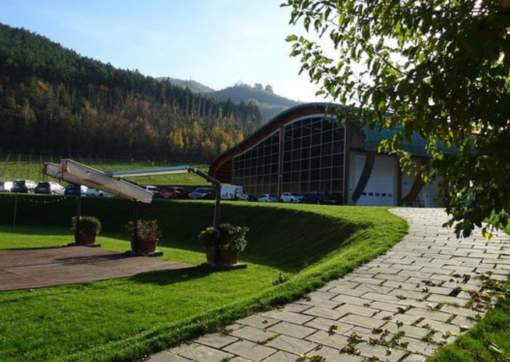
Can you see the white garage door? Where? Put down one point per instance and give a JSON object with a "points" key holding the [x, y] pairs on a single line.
{"points": [[380, 189]]}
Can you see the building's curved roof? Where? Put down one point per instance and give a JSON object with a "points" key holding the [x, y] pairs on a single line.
{"points": [[221, 166]]}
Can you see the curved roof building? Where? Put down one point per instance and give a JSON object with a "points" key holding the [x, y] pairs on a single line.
{"points": [[306, 149]]}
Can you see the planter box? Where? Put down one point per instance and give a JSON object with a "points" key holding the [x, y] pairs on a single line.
{"points": [[86, 239], [228, 257], [144, 246]]}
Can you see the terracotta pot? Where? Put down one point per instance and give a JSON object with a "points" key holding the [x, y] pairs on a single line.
{"points": [[144, 246], [229, 257], [87, 239]]}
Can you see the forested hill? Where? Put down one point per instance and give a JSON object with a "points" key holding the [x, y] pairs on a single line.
{"points": [[53, 100], [269, 103]]}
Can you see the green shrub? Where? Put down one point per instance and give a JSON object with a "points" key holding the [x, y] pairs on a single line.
{"points": [[231, 237], [87, 225]]}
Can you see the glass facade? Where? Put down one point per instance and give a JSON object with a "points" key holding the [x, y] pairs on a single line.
{"points": [[257, 169], [312, 158]]}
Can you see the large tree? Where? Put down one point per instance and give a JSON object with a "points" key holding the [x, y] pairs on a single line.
{"points": [[437, 67]]}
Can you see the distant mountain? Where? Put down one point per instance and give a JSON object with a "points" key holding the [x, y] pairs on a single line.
{"points": [[192, 85], [270, 104]]}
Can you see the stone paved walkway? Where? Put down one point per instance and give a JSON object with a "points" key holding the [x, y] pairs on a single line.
{"points": [[417, 295]]}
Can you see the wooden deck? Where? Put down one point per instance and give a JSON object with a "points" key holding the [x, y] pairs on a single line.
{"points": [[39, 268]]}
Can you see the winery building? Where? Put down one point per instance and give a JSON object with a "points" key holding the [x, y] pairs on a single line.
{"points": [[307, 148]]}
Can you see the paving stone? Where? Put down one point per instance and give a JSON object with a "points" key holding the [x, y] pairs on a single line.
{"points": [[183, 347], [217, 340], [253, 334], [463, 322], [307, 304], [429, 314], [350, 300], [382, 352], [291, 329], [446, 299], [419, 346], [295, 308], [354, 309], [390, 307], [258, 321], [407, 294], [344, 283], [250, 350], [325, 313], [332, 339], [415, 358], [460, 311], [365, 281], [366, 322], [394, 277], [282, 356], [371, 288], [205, 354], [440, 326], [321, 295], [292, 317], [409, 330], [292, 345], [346, 291], [333, 354], [167, 357], [325, 324], [379, 297], [437, 271], [385, 270]]}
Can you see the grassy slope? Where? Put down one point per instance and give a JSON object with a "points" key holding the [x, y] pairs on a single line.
{"points": [[493, 330], [124, 318], [15, 166]]}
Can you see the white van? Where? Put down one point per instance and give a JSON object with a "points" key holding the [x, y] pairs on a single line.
{"points": [[233, 192]]}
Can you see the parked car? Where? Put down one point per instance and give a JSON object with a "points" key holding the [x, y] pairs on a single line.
{"points": [[49, 187], [23, 186], [291, 197], [97, 192], [268, 198], [5, 186], [174, 192], [155, 190], [72, 190], [320, 197], [202, 193], [233, 192]]}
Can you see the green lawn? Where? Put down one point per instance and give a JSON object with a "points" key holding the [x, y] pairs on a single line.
{"points": [[488, 340], [122, 319]]}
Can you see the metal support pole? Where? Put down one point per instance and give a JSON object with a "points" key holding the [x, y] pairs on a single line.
{"points": [[15, 211], [78, 215], [217, 209], [135, 226]]}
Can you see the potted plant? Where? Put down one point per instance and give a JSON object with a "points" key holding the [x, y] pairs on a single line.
{"points": [[88, 228], [231, 241], [148, 235]]}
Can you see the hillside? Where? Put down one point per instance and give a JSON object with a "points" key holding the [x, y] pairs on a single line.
{"points": [[192, 85], [55, 101], [270, 104]]}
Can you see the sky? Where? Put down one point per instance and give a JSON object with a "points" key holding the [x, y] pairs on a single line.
{"points": [[218, 43]]}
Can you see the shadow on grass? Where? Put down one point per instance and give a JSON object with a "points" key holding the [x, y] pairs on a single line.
{"points": [[168, 277]]}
